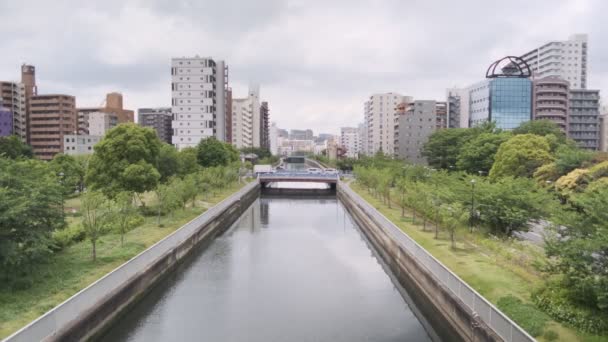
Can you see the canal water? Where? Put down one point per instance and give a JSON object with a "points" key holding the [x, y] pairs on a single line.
{"points": [[288, 270]]}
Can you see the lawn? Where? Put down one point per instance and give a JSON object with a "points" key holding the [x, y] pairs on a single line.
{"points": [[72, 269], [496, 268]]}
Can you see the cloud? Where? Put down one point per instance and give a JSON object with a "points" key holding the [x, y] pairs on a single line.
{"points": [[316, 61]]}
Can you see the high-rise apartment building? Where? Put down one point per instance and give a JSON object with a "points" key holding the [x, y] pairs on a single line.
{"points": [[273, 139], [421, 119], [198, 100], [551, 100], [457, 100], [51, 118], [112, 105], [28, 79], [246, 120], [380, 118], [566, 59], [604, 132], [584, 119], [158, 118], [228, 115], [264, 125], [6, 121], [349, 140], [507, 101], [363, 139], [12, 96]]}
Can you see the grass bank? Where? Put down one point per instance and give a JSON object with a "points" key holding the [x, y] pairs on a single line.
{"points": [[72, 269], [502, 270]]}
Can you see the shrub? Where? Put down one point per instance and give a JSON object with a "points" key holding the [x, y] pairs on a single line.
{"points": [[553, 302], [526, 315], [66, 236], [599, 170], [551, 335]]}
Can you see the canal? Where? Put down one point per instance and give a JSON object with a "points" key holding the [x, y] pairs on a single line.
{"points": [[290, 269]]}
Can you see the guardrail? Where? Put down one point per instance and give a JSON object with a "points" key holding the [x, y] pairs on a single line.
{"points": [[486, 311], [60, 316], [284, 174]]}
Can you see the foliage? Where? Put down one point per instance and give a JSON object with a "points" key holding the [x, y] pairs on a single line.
{"points": [[124, 215], [520, 156], [599, 170], [212, 152], [509, 204], [167, 199], [68, 235], [12, 147], [451, 217], [568, 158], [543, 128], [187, 161], [346, 164], [443, 146], [580, 251], [168, 162], [527, 316], [554, 303], [573, 182], [30, 210], [478, 153], [96, 217], [125, 160], [70, 172], [546, 174]]}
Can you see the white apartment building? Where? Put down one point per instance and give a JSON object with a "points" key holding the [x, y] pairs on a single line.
{"points": [[246, 130], [349, 140], [80, 144], [566, 59], [198, 102], [100, 123], [273, 137], [457, 100], [380, 118], [12, 96]]}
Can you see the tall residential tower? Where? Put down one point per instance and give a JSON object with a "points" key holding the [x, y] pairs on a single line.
{"points": [[198, 100]]}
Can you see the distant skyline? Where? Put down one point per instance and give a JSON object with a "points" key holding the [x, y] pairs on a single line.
{"points": [[316, 61]]}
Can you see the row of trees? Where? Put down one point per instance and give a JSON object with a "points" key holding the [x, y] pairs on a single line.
{"points": [[534, 171], [127, 163]]}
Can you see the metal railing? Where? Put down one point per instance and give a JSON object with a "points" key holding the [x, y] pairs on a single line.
{"points": [[486, 311], [297, 174], [60, 316]]}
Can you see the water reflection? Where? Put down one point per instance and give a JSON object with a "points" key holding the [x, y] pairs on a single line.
{"points": [[288, 270]]}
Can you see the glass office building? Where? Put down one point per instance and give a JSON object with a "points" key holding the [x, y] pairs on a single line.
{"points": [[510, 102], [506, 101]]}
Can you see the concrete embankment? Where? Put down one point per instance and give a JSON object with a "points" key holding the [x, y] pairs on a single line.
{"points": [[455, 311], [87, 313]]}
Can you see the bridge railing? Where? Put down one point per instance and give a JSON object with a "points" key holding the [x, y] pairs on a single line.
{"points": [[487, 312], [283, 174]]}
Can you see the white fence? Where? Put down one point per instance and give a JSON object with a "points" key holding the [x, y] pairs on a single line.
{"points": [[51, 322], [488, 313]]}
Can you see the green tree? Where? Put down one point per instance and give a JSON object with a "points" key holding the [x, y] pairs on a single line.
{"points": [[212, 152], [568, 158], [70, 172], [125, 215], [520, 156], [12, 147], [478, 153], [579, 251], [96, 217], [541, 128], [30, 210], [166, 198], [168, 162], [452, 216], [509, 204], [125, 160], [187, 161]]}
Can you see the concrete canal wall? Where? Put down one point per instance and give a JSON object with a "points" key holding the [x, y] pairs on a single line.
{"points": [[90, 311], [455, 310]]}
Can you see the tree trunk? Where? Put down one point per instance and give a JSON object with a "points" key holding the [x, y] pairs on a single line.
{"points": [[94, 242], [436, 224], [413, 215], [158, 217], [388, 198], [402, 211], [122, 237], [424, 222], [452, 236]]}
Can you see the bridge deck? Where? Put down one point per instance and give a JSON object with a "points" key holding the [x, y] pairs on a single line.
{"points": [[298, 177]]}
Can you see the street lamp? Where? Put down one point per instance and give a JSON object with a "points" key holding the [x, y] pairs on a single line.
{"points": [[472, 205], [61, 174]]}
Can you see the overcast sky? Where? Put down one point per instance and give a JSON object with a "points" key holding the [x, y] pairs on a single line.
{"points": [[316, 61]]}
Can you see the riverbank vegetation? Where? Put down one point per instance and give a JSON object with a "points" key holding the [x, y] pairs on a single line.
{"points": [[67, 222], [483, 185]]}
